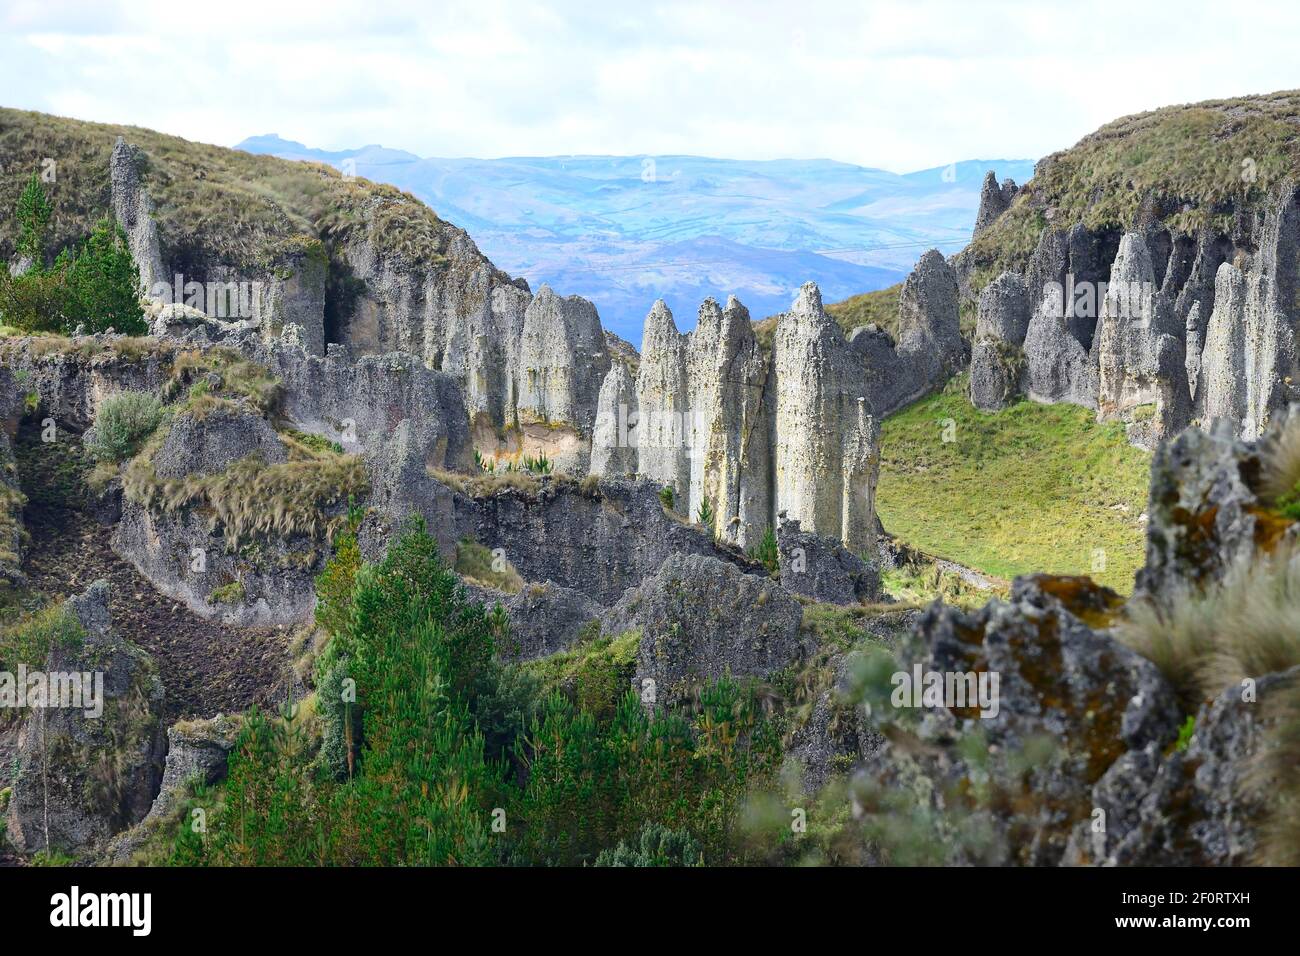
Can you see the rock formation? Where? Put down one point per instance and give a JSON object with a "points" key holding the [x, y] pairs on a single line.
{"points": [[994, 200], [997, 357], [77, 776], [701, 619]]}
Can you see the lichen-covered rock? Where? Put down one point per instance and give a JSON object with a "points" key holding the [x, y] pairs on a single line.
{"points": [[1202, 806], [1205, 512], [209, 443], [702, 619], [837, 734], [820, 567], [78, 777], [1066, 690]]}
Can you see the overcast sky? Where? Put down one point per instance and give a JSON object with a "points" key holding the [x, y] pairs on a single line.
{"points": [[897, 85]]}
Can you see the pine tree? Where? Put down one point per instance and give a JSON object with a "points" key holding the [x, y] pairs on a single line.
{"points": [[33, 215], [102, 283]]}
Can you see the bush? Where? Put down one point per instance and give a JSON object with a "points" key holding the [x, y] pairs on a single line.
{"points": [[102, 284], [124, 421], [655, 845], [767, 552]]}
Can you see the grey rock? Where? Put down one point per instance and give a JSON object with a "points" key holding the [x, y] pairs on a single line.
{"points": [[1067, 688], [209, 443], [80, 778], [821, 568], [702, 619]]}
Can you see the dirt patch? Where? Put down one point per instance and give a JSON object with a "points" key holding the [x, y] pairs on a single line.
{"points": [[206, 667]]}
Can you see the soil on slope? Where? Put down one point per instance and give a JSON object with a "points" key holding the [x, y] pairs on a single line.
{"points": [[206, 667]]}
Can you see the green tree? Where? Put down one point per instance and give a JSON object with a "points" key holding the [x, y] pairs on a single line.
{"points": [[33, 215], [102, 284]]}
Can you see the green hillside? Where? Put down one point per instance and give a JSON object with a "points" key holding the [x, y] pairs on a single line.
{"points": [[1031, 488]]}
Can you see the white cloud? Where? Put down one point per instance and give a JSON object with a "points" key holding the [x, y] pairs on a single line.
{"points": [[902, 85]]}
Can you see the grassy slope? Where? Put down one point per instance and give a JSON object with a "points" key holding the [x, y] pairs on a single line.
{"points": [[1031, 488], [1187, 161], [211, 203]]}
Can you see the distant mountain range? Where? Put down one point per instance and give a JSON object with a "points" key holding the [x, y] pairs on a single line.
{"points": [[626, 230]]}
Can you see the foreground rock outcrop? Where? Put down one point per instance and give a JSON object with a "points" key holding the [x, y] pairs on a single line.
{"points": [[85, 770]]}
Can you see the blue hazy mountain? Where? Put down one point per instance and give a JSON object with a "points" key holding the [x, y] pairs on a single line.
{"points": [[626, 230]]}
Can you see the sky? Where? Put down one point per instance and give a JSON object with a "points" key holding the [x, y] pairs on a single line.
{"points": [[901, 86]]}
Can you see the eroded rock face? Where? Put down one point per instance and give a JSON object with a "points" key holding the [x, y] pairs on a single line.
{"points": [[997, 357], [1140, 354], [599, 539], [545, 618], [360, 401], [1193, 807], [826, 436], [197, 753], [929, 330], [1057, 367], [821, 568], [134, 211], [727, 375], [77, 779], [184, 559], [1204, 513], [209, 443], [613, 441], [701, 619], [994, 200], [1069, 694], [664, 429]]}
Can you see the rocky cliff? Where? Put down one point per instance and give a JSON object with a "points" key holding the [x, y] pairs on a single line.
{"points": [[1160, 292]]}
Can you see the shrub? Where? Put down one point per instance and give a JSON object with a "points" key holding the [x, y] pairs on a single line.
{"points": [[102, 284], [33, 216], [766, 551], [655, 845], [122, 424], [666, 496], [706, 516]]}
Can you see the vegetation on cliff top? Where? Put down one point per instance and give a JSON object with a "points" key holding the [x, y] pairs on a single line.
{"points": [[1191, 165], [211, 203]]}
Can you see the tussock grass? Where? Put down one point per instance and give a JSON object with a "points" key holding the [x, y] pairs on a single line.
{"points": [[253, 498], [239, 378], [1280, 475], [1244, 626], [1030, 488], [485, 484], [476, 563], [1188, 159]]}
